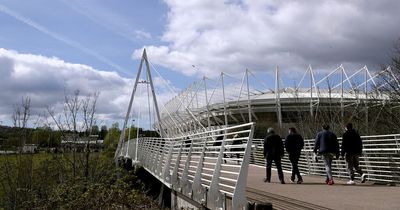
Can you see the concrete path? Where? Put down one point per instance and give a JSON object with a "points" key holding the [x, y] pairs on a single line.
{"points": [[315, 194]]}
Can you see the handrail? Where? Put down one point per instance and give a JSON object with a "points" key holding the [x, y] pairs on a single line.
{"points": [[378, 153], [198, 165]]}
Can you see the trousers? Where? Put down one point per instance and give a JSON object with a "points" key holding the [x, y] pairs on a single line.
{"points": [[353, 163], [294, 160], [277, 161]]}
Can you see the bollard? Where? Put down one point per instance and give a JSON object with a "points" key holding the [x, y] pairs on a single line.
{"points": [[263, 206], [250, 205]]}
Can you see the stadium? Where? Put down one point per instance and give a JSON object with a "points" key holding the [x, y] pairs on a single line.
{"points": [[338, 97]]}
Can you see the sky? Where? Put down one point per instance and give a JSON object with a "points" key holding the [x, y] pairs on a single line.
{"points": [[49, 48]]}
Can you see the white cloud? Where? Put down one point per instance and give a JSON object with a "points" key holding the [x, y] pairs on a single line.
{"points": [[46, 79], [141, 34], [229, 36]]}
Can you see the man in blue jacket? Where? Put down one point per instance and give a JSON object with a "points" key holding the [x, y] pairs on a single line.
{"points": [[327, 145], [294, 143], [273, 151], [352, 148]]}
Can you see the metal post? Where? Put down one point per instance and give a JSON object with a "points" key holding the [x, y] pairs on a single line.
{"points": [[365, 101], [311, 92], [214, 193], [174, 177], [223, 93], [162, 132], [199, 193], [121, 139], [166, 170], [185, 184], [341, 96], [278, 98], [239, 197], [248, 95]]}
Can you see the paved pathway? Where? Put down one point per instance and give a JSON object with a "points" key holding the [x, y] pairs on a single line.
{"points": [[315, 194]]}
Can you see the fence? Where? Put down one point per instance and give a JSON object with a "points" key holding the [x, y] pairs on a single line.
{"points": [[210, 167], [380, 159]]}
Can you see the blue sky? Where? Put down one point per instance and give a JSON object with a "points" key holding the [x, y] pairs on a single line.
{"points": [[108, 29], [99, 34], [48, 47]]}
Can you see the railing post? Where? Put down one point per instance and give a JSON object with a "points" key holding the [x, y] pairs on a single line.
{"points": [[185, 184], [161, 160], [174, 177], [367, 162], [155, 152], [136, 143], [215, 197], [166, 171], [149, 155], [239, 194], [308, 157], [144, 152], [199, 193], [139, 149], [397, 143]]}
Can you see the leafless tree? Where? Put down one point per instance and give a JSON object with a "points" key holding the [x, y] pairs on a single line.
{"points": [[79, 115], [68, 120], [21, 114], [89, 119], [19, 174]]}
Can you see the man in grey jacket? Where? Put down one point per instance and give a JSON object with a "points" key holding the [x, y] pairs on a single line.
{"points": [[327, 145]]}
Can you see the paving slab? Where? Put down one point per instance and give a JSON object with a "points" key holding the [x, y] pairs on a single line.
{"points": [[314, 193]]}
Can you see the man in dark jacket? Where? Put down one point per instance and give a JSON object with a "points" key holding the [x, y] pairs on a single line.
{"points": [[352, 148], [273, 151], [294, 143], [327, 145]]}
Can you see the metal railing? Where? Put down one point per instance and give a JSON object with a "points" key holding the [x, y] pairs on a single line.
{"points": [[380, 159], [209, 167]]}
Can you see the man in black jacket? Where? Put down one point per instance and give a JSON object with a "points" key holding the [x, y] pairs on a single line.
{"points": [[273, 151], [294, 143], [352, 148], [327, 145]]}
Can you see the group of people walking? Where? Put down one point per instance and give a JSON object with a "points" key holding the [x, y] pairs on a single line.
{"points": [[326, 145]]}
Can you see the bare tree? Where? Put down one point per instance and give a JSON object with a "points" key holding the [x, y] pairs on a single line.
{"points": [[78, 116], [19, 174], [89, 119], [21, 114], [68, 120], [389, 89]]}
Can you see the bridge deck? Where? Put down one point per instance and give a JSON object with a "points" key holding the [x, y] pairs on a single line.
{"points": [[315, 194]]}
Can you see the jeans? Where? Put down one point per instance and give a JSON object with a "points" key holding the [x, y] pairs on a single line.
{"points": [[353, 163], [278, 165], [327, 158], [294, 160]]}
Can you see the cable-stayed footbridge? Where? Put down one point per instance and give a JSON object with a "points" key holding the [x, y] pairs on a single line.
{"points": [[209, 157]]}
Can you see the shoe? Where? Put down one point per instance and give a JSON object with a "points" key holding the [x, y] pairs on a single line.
{"points": [[299, 181], [266, 180], [363, 178], [283, 182], [292, 179], [351, 182], [331, 182], [326, 180]]}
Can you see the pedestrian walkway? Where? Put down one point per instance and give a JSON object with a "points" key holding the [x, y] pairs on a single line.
{"points": [[315, 194]]}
